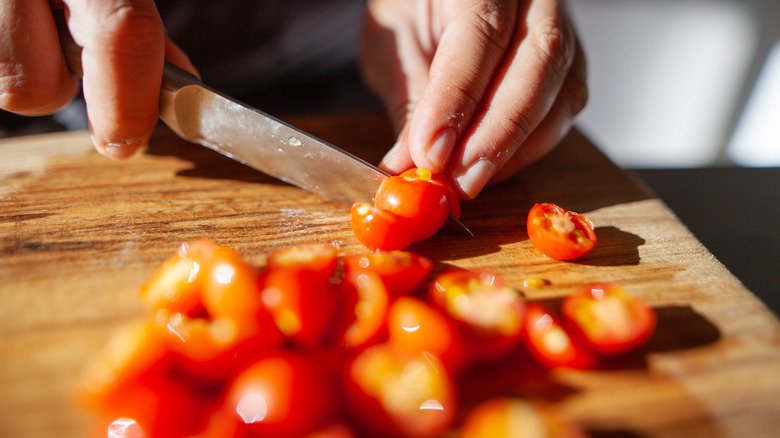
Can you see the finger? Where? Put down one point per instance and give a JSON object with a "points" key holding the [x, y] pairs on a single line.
{"points": [[523, 92], [34, 77], [557, 123], [474, 38], [176, 56], [398, 158], [123, 55]]}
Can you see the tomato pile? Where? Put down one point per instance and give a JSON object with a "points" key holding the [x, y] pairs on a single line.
{"points": [[318, 344], [407, 208]]}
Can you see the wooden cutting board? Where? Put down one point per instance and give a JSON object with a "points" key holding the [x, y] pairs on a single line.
{"points": [[79, 234]]}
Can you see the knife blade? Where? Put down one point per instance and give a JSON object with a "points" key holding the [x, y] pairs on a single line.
{"points": [[202, 115]]}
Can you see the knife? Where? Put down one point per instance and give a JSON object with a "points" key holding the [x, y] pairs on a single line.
{"points": [[200, 114]]}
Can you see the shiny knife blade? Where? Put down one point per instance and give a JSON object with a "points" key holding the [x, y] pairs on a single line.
{"points": [[200, 114]]}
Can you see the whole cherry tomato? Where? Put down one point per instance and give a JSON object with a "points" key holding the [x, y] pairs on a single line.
{"points": [[550, 343], [402, 272], [559, 233], [441, 181], [396, 393], [283, 394], [378, 230], [489, 312], [609, 319], [422, 207], [414, 326]]}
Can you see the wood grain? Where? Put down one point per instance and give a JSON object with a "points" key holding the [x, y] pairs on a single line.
{"points": [[80, 233]]}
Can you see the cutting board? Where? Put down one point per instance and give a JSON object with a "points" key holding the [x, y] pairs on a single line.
{"points": [[79, 234]]}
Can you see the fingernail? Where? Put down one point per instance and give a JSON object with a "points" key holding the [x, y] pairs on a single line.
{"points": [[440, 148], [475, 178], [120, 150]]}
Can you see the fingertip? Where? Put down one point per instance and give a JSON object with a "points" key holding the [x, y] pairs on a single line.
{"points": [[118, 150], [471, 180]]}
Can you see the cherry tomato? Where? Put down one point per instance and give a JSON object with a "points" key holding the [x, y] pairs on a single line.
{"points": [[558, 233], [402, 272], [231, 286], [320, 259], [301, 302], [439, 180], [414, 326], [176, 285], [420, 206], [365, 301], [394, 393], [550, 343], [281, 395], [507, 417], [489, 312], [378, 230], [609, 319]]}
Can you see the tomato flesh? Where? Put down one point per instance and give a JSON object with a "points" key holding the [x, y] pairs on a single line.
{"points": [[365, 300], [551, 344], [402, 272], [609, 319], [559, 233], [507, 417]]}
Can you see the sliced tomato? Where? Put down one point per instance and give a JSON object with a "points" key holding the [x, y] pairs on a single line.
{"points": [[365, 300], [421, 207], [283, 394], [440, 180], [395, 393], [415, 326], [609, 319], [378, 230], [507, 417], [402, 272], [489, 312], [551, 344], [318, 258], [559, 233], [302, 304]]}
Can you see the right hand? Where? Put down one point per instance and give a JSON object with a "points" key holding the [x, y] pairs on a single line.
{"points": [[124, 49]]}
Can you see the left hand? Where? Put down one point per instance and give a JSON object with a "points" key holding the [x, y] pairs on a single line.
{"points": [[478, 89]]}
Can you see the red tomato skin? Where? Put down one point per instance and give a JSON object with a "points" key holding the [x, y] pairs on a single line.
{"points": [[581, 312], [564, 244], [441, 181], [402, 272], [283, 394], [419, 205], [301, 303], [505, 417], [378, 230], [415, 326], [318, 258], [551, 344]]}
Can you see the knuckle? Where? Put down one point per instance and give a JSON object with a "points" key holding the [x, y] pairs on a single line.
{"points": [[556, 45], [133, 31], [492, 20], [577, 90], [22, 93]]}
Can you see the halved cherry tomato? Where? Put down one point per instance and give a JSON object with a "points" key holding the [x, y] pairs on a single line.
{"points": [[319, 258], [395, 393], [550, 343], [559, 233], [507, 417], [402, 272], [230, 286], [440, 180], [283, 394], [610, 320], [490, 312], [415, 326], [364, 301], [419, 205], [378, 230], [301, 303]]}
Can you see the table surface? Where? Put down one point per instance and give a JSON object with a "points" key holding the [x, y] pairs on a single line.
{"points": [[79, 234]]}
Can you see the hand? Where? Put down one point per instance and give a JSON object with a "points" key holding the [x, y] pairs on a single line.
{"points": [[124, 48], [478, 89]]}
